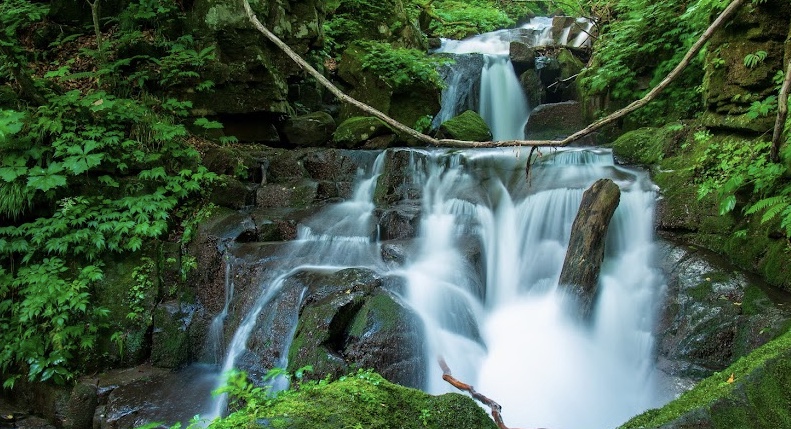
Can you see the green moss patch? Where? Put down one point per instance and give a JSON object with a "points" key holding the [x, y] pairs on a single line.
{"points": [[756, 396]]}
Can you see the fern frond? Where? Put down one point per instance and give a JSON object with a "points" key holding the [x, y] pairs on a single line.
{"points": [[773, 211], [765, 203]]}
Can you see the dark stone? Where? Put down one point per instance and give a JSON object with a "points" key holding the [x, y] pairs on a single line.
{"points": [[313, 129], [356, 131], [170, 344], [397, 181], [556, 120], [295, 194], [580, 274], [533, 88], [82, 405], [400, 221], [523, 57], [713, 315]]}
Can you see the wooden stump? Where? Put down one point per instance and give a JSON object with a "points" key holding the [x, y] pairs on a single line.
{"points": [[580, 275]]}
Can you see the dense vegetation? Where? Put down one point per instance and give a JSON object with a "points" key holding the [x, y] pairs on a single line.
{"points": [[101, 150]]}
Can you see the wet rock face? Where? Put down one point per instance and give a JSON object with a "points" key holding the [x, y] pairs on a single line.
{"points": [[349, 319], [712, 314], [555, 120]]}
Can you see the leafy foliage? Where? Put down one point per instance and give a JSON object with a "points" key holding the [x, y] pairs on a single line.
{"points": [[402, 67], [102, 166], [647, 41], [459, 19]]}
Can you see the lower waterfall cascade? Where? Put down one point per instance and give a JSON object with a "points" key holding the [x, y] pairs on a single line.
{"points": [[502, 323]]}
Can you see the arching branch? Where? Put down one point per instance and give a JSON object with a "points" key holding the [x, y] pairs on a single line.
{"points": [[721, 19]]}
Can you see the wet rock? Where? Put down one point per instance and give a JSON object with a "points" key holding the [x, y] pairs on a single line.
{"points": [[396, 251], [400, 221], [548, 69], [400, 177], [533, 88], [232, 193], [82, 405], [713, 315], [467, 126], [356, 131], [170, 343], [554, 120], [295, 194], [523, 56], [580, 274], [348, 319], [313, 129]]}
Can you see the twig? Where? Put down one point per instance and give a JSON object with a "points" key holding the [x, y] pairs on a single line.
{"points": [[494, 406]]}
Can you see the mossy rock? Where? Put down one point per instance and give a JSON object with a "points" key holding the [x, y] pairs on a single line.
{"points": [[354, 132], [366, 400], [753, 393], [466, 126], [313, 129]]}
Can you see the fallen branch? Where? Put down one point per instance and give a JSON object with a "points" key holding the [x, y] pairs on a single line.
{"points": [[494, 406], [782, 113], [722, 18]]}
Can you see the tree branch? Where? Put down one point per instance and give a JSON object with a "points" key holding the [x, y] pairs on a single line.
{"points": [[782, 114], [722, 18]]}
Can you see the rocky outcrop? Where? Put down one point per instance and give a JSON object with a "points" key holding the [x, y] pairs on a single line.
{"points": [[712, 316], [580, 273], [554, 121], [313, 129], [731, 85], [357, 131], [466, 126]]}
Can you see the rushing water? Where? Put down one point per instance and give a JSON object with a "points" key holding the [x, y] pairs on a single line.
{"points": [[500, 320]]}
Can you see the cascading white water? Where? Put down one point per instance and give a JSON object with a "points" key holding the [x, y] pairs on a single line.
{"points": [[518, 342]]}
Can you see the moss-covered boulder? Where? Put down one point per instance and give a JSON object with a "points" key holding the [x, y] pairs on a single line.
{"points": [[751, 394], [406, 101], [254, 81], [355, 132], [713, 314], [467, 126], [365, 400], [349, 319], [313, 129], [570, 66]]}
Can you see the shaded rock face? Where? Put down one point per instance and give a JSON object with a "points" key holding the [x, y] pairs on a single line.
{"points": [[313, 129], [731, 86], [555, 120], [712, 314], [339, 321]]}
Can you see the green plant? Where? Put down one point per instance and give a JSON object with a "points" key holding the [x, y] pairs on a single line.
{"points": [[752, 60], [401, 67]]}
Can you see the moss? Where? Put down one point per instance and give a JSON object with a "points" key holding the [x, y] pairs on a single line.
{"points": [[367, 400], [355, 131], [757, 397], [646, 146], [466, 126]]}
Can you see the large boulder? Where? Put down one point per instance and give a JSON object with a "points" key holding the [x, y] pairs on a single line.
{"points": [[554, 120], [467, 126], [313, 129], [356, 131], [713, 315], [350, 319]]}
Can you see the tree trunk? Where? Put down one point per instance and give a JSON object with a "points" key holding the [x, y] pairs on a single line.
{"points": [[580, 274], [782, 114]]}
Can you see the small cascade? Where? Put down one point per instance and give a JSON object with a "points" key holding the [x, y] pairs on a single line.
{"points": [[583, 39], [216, 341], [503, 104]]}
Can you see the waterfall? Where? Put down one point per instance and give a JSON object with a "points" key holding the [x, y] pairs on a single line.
{"points": [[517, 341]]}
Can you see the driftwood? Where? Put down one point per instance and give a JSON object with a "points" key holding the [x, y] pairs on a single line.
{"points": [[782, 114], [494, 406], [580, 274], [721, 19]]}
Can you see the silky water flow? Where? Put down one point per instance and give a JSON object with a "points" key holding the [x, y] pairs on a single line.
{"points": [[498, 317]]}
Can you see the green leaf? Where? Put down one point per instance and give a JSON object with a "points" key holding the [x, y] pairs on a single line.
{"points": [[727, 204]]}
